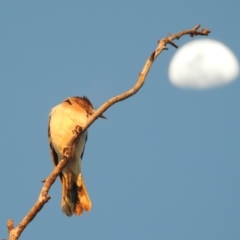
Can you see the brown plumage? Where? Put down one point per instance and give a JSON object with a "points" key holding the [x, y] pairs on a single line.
{"points": [[62, 121]]}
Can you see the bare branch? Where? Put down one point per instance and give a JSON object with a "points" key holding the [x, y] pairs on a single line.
{"points": [[142, 76], [14, 233]]}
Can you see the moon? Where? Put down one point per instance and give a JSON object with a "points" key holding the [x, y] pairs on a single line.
{"points": [[203, 64]]}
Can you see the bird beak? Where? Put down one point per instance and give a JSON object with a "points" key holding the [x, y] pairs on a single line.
{"points": [[102, 116]]}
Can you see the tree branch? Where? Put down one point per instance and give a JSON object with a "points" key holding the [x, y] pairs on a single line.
{"points": [[142, 75], [14, 233]]}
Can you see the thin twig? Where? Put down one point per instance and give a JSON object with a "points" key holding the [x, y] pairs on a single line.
{"points": [[14, 233]]}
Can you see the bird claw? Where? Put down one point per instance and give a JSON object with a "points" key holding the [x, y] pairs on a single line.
{"points": [[67, 152], [77, 130]]}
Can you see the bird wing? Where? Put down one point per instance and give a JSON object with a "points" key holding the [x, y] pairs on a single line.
{"points": [[53, 153]]}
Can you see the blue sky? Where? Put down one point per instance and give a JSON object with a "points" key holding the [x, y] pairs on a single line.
{"points": [[164, 165]]}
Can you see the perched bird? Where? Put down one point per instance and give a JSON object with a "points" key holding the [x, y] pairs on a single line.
{"points": [[72, 112]]}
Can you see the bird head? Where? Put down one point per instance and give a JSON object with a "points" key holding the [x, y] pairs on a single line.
{"points": [[86, 104]]}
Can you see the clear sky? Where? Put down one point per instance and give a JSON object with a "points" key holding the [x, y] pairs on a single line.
{"points": [[164, 165]]}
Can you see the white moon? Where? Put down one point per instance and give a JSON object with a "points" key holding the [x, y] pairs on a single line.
{"points": [[203, 64]]}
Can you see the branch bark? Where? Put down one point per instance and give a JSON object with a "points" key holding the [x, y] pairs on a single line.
{"points": [[14, 233]]}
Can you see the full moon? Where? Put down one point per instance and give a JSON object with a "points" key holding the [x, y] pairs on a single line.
{"points": [[203, 64]]}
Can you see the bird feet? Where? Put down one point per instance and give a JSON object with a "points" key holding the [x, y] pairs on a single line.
{"points": [[67, 151], [77, 130]]}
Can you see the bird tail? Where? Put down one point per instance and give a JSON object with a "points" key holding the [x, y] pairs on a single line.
{"points": [[84, 202], [76, 199]]}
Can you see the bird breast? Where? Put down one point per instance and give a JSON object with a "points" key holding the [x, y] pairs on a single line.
{"points": [[63, 120]]}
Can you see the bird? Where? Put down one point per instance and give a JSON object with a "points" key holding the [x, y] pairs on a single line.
{"points": [[63, 120]]}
